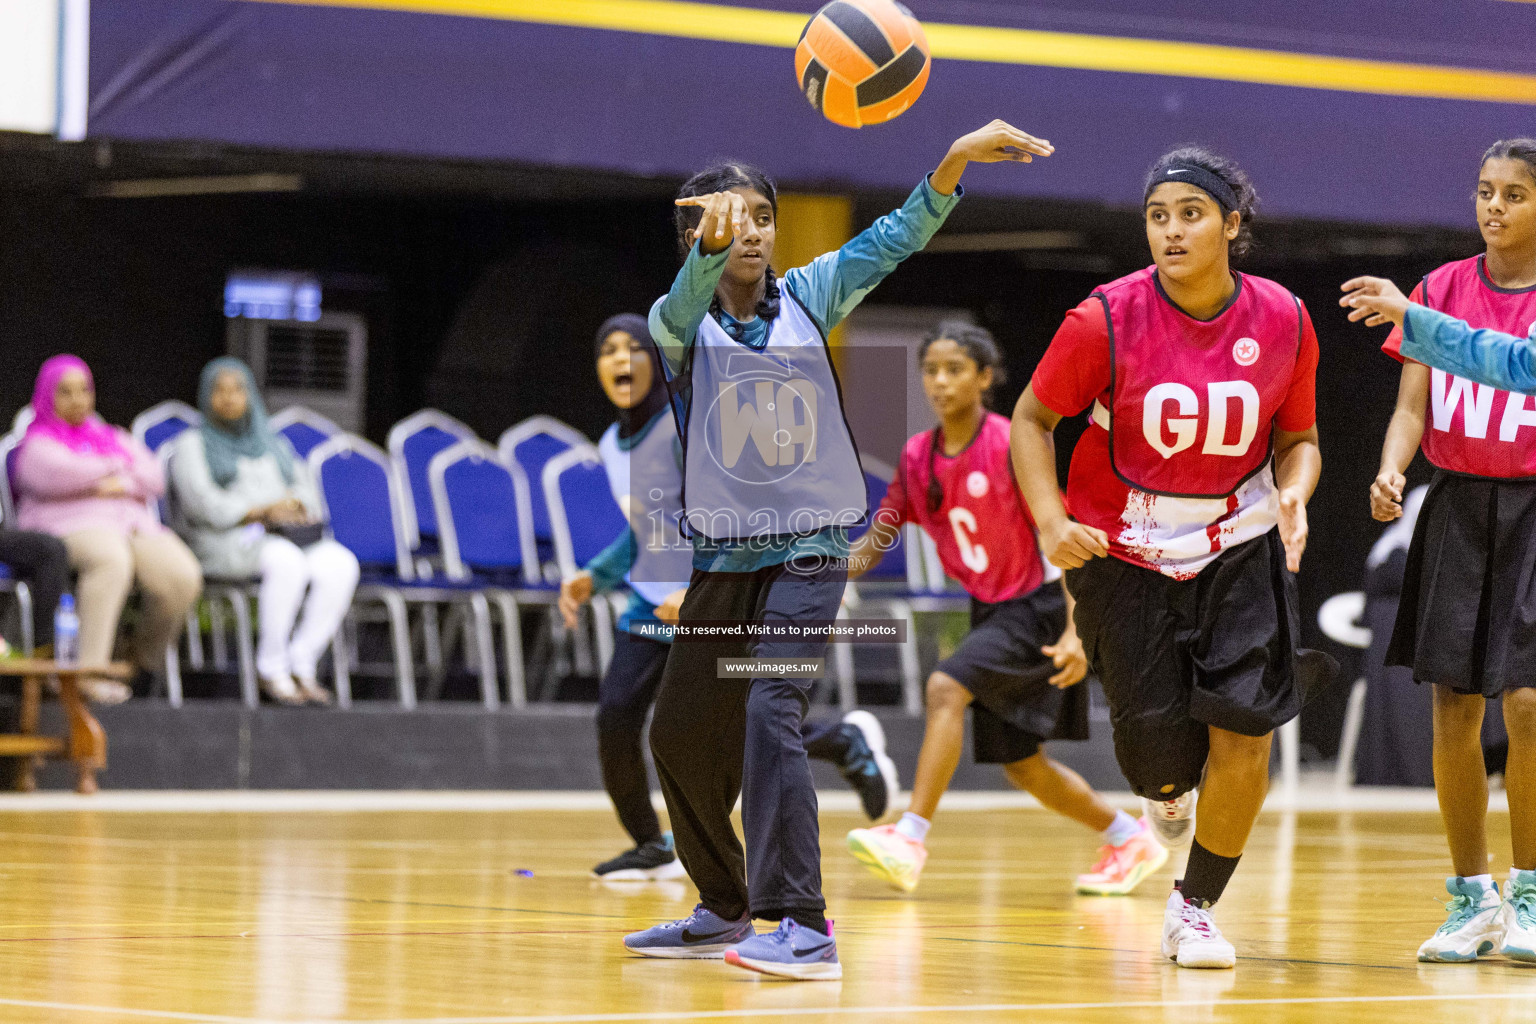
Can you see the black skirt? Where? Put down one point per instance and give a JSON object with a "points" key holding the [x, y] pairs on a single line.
{"points": [[1001, 664], [1467, 619]]}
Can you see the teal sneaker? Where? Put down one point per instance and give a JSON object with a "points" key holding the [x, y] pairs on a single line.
{"points": [[1520, 916], [1474, 924]]}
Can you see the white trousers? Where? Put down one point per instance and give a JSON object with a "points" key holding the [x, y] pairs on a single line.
{"points": [[329, 572]]}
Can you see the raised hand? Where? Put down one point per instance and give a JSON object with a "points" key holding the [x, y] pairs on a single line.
{"points": [[1000, 141], [1375, 300], [725, 216]]}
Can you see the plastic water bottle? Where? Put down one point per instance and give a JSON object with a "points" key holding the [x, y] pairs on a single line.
{"points": [[66, 632]]}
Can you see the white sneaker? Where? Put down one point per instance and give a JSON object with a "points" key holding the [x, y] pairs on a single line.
{"points": [[1191, 938], [1520, 916], [1172, 820], [1474, 925]]}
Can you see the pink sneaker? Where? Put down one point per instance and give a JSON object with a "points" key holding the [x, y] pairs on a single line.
{"points": [[1121, 868], [890, 855]]}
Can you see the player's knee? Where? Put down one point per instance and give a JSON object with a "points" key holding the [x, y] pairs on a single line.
{"points": [[1162, 758], [946, 694], [1235, 749], [1029, 772], [1520, 711], [1457, 715]]}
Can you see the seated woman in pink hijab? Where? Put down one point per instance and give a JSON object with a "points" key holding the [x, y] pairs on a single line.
{"points": [[90, 485]]}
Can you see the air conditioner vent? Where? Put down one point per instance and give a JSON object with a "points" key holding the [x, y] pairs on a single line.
{"points": [[321, 364], [307, 358]]}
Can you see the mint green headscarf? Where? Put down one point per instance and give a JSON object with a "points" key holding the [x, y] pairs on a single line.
{"points": [[250, 437]]}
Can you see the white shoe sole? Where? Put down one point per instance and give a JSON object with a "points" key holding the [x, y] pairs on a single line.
{"points": [[819, 971], [873, 858], [1487, 942], [671, 869], [1203, 956], [874, 735], [1526, 954], [1087, 887], [715, 952]]}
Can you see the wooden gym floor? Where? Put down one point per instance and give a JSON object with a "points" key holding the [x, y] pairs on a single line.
{"points": [[377, 915]]}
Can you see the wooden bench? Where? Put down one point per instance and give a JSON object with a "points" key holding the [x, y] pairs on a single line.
{"points": [[86, 742]]}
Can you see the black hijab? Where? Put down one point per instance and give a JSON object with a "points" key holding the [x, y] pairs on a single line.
{"points": [[631, 420]]}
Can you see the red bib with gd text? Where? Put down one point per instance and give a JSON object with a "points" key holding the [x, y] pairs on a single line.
{"points": [[1194, 401]]}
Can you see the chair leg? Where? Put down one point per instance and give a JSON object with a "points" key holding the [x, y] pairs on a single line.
{"points": [[1290, 760], [432, 648], [400, 632], [1349, 740], [340, 668], [245, 646], [512, 647], [218, 640], [173, 675], [602, 633], [24, 608], [911, 670], [194, 640], [842, 662], [484, 651]]}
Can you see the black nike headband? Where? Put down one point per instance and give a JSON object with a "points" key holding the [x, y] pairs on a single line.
{"points": [[1205, 180]]}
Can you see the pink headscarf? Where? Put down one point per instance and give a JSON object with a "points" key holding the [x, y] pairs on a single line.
{"points": [[93, 437]]}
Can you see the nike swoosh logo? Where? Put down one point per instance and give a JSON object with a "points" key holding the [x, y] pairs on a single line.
{"points": [[801, 954], [689, 936], [1173, 172]]}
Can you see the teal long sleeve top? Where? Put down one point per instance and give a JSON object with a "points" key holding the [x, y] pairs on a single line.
{"points": [[1486, 356], [829, 287]]}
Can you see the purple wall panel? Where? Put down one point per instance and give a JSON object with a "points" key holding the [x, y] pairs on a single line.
{"points": [[350, 80]]}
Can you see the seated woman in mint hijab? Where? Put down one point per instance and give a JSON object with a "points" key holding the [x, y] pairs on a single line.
{"points": [[1504, 361], [248, 507]]}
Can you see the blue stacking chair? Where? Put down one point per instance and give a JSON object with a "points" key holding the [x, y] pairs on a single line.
{"points": [[163, 421], [584, 519], [365, 502], [484, 522], [530, 445], [303, 428], [9, 584], [413, 442]]}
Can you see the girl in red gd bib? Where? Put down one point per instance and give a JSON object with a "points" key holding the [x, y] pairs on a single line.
{"points": [[1189, 492]]}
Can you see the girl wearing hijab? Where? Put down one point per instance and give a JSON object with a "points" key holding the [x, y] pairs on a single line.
{"points": [[92, 485], [248, 507], [643, 458]]}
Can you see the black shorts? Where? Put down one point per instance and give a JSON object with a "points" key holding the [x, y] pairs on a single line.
{"points": [[999, 662], [1467, 618], [1178, 656]]}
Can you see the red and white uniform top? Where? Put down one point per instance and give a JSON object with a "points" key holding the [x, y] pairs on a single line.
{"points": [[1475, 429], [982, 528], [1176, 464]]}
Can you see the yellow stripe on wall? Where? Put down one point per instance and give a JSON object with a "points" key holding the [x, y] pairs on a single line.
{"points": [[730, 24]]}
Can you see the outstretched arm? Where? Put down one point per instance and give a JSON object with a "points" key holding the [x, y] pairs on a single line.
{"points": [[831, 286], [1436, 339]]}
